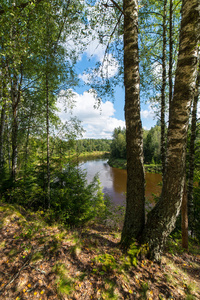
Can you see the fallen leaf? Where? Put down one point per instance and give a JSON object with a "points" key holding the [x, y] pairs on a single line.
{"points": [[137, 281]]}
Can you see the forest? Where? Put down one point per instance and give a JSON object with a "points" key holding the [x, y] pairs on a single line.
{"points": [[154, 45], [151, 144]]}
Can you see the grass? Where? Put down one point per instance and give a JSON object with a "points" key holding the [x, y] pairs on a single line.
{"points": [[63, 281]]}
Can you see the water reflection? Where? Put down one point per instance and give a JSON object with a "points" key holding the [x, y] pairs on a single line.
{"points": [[153, 186], [114, 180]]}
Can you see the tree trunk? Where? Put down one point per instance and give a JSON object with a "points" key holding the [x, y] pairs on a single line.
{"points": [[135, 199], [16, 97], [47, 128], [2, 126], [184, 219], [170, 51], [163, 89], [8, 144], [192, 154], [3, 112], [162, 218], [14, 127]]}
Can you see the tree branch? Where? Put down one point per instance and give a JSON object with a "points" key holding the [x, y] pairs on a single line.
{"points": [[117, 5]]}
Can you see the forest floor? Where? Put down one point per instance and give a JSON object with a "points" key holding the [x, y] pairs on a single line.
{"points": [[38, 261]]}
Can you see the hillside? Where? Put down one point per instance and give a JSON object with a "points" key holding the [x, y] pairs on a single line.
{"points": [[38, 261]]}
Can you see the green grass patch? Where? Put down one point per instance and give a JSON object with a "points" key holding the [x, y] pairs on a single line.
{"points": [[64, 283]]}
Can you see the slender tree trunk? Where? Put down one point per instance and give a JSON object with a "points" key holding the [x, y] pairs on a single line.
{"points": [[14, 128], [26, 151], [161, 220], [135, 200], [27, 141], [48, 153], [2, 126], [3, 113], [184, 218], [192, 154], [8, 146], [16, 97], [163, 89], [170, 51]]}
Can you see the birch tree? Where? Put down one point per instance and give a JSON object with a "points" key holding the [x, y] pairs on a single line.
{"points": [[161, 220], [135, 200]]}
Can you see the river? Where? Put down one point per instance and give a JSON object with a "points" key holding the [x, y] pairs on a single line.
{"points": [[113, 180]]}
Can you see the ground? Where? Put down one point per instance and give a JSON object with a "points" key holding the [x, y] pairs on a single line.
{"points": [[38, 261]]}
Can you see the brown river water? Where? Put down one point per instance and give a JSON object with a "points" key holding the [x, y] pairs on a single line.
{"points": [[113, 180]]}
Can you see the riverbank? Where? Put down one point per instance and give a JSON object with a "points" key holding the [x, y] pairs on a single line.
{"points": [[89, 155], [122, 164], [39, 261]]}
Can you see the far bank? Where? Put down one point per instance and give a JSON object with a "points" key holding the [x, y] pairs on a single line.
{"points": [[122, 164]]}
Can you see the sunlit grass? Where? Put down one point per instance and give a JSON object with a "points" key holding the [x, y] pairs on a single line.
{"points": [[64, 283]]}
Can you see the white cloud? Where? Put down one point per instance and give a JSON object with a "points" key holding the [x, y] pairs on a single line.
{"points": [[147, 113], [98, 123], [94, 48], [109, 66], [157, 69], [85, 77], [97, 50]]}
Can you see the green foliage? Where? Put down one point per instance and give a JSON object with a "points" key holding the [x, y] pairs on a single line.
{"points": [[196, 190], [118, 145], [174, 243], [133, 253], [153, 168], [90, 145], [151, 41], [107, 261], [152, 145], [196, 210], [109, 292], [35, 63], [119, 163], [144, 289], [64, 281], [73, 201]]}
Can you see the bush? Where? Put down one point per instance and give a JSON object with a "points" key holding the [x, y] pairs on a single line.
{"points": [[73, 201]]}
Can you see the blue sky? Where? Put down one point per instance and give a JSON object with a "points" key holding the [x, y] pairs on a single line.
{"points": [[100, 123]]}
